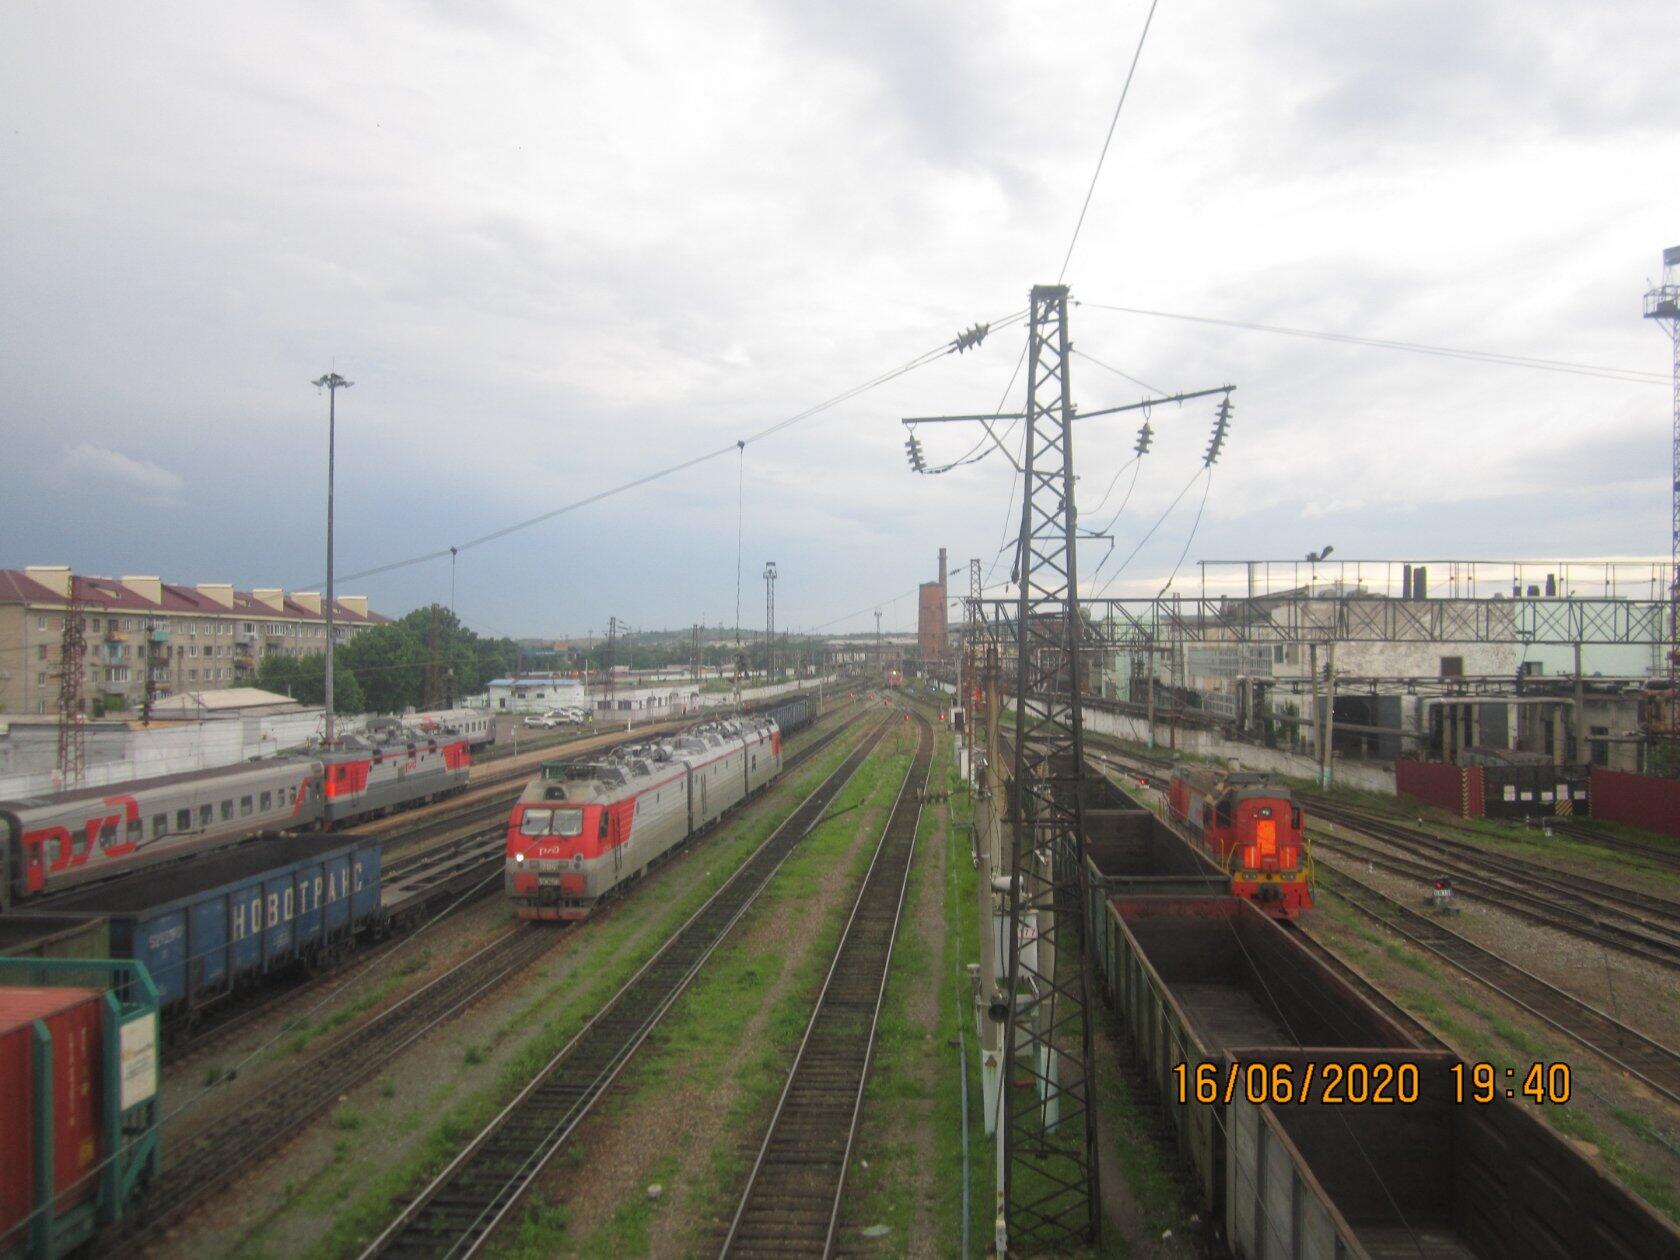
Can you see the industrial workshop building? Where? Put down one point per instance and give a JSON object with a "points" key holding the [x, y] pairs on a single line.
{"points": [[190, 637], [1494, 695]]}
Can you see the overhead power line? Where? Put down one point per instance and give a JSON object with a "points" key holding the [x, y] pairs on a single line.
{"points": [[1107, 140], [962, 341], [1411, 347]]}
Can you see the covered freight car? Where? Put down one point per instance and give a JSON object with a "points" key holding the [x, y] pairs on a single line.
{"points": [[79, 1133], [222, 922]]}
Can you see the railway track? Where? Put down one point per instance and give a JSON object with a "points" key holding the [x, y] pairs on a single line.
{"points": [[1648, 942], [791, 1204], [1657, 1065], [209, 1156], [1564, 888], [1665, 855], [458, 1211], [413, 882]]}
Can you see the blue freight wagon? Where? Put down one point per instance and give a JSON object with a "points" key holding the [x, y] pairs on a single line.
{"points": [[218, 922]]}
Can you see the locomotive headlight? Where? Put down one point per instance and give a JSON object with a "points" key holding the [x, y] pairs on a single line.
{"points": [[518, 857], [577, 861]]}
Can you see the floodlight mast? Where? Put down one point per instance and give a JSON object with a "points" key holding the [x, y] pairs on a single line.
{"points": [[332, 382]]}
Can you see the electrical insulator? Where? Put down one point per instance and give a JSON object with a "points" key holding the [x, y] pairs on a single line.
{"points": [[970, 338], [1145, 436], [913, 448], [1221, 422]]}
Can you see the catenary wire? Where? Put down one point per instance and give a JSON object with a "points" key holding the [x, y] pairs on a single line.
{"points": [[1482, 356], [668, 470], [1107, 140]]}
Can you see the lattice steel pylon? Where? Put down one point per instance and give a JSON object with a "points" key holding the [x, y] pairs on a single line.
{"points": [[1049, 1191], [1662, 304], [72, 662]]}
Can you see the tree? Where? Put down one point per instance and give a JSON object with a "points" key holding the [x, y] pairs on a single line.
{"points": [[303, 678], [390, 663]]}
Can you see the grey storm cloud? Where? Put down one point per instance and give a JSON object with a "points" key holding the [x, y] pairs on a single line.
{"points": [[561, 247]]}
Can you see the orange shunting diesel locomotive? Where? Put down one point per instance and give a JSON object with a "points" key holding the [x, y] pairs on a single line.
{"points": [[1252, 827]]}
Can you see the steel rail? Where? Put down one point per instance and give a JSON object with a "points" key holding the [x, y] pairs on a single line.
{"points": [[420, 878], [1468, 881], [209, 1156], [1657, 1065], [791, 1203], [1659, 914], [462, 1206]]}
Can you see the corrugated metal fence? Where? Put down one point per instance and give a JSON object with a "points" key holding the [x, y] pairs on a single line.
{"points": [[1639, 800]]}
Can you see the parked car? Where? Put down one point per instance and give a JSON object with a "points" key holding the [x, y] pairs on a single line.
{"points": [[542, 721]]}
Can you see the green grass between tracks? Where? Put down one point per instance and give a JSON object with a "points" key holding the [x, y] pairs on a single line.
{"points": [[701, 1044], [558, 1013]]}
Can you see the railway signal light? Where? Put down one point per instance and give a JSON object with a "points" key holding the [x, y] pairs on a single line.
{"points": [[1145, 436], [1221, 422], [913, 448], [969, 338]]}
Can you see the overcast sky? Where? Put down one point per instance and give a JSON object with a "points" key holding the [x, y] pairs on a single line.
{"points": [[558, 247]]}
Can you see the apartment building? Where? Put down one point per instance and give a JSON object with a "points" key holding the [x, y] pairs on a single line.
{"points": [[188, 637]]}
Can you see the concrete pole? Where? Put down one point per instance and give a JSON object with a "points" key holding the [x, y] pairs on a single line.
{"points": [[1580, 715], [1317, 721], [332, 382], [1149, 682], [1557, 734], [1326, 773]]}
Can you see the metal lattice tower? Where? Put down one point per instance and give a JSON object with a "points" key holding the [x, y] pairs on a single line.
{"points": [[72, 666], [1050, 1153], [607, 661], [968, 681], [431, 685], [1663, 305]]}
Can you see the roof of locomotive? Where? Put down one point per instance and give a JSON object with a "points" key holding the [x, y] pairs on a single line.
{"points": [[630, 765], [1241, 784]]}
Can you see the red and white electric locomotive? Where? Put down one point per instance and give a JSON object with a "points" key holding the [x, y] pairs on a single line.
{"points": [[581, 829], [1253, 829]]}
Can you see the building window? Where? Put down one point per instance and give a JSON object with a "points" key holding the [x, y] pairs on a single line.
{"points": [[40, 623], [41, 679], [1452, 667]]}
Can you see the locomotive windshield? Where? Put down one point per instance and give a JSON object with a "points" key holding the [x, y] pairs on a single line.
{"points": [[551, 822]]}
